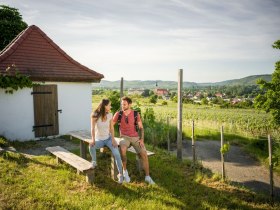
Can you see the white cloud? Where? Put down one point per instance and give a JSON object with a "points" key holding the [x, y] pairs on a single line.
{"points": [[152, 39]]}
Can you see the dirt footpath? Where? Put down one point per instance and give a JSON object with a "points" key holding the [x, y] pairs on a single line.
{"points": [[240, 167]]}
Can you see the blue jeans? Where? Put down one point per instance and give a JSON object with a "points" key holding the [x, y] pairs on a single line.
{"points": [[107, 142]]}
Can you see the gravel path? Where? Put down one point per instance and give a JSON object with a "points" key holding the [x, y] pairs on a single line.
{"points": [[240, 167], [39, 148]]}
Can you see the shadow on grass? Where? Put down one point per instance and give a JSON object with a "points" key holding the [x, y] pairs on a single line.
{"points": [[22, 161], [195, 195], [136, 190], [177, 184], [178, 180], [262, 188]]}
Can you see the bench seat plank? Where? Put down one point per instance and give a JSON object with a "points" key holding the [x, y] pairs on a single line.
{"points": [[72, 159], [84, 135], [132, 150]]}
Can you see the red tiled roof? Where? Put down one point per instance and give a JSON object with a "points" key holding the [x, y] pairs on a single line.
{"points": [[35, 54]]}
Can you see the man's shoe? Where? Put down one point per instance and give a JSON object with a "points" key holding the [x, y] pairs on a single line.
{"points": [[149, 180], [120, 179], [126, 177]]}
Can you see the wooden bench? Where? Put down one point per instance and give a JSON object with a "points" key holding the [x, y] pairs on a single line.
{"points": [[138, 159], [85, 137], [82, 165], [9, 149]]}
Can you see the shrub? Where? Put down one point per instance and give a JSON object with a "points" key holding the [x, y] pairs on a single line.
{"points": [[3, 142], [164, 103]]}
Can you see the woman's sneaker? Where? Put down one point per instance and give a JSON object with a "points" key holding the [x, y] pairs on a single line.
{"points": [[120, 179], [126, 177], [149, 180], [94, 164]]}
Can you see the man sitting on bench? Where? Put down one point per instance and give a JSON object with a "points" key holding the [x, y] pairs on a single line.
{"points": [[102, 134], [129, 122]]}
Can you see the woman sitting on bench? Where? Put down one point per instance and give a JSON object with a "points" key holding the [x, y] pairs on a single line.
{"points": [[102, 134]]}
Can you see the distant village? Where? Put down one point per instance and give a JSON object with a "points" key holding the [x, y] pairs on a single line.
{"points": [[237, 93], [195, 97]]}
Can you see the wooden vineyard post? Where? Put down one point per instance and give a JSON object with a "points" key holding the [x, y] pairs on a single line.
{"points": [[121, 92], [270, 168], [168, 139], [193, 146], [222, 155], [179, 116]]}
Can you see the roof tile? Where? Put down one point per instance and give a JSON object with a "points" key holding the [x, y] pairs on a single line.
{"points": [[37, 56]]}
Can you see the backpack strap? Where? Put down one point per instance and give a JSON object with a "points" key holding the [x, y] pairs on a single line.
{"points": [[120, 117], [136, 121], [119, 121]]}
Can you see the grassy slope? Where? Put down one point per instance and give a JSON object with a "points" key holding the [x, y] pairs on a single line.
{"points": [[40, 183]]}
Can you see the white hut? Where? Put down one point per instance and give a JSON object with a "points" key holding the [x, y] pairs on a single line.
{"points": [[61, 103]]}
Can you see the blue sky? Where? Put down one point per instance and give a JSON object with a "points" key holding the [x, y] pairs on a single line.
{"points": [[211, 40]]}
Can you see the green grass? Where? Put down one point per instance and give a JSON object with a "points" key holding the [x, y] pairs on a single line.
{"points": [[244, 127], [3, 142], [40, 183]]}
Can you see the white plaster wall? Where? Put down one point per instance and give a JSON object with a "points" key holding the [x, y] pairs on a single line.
{"points": [[76, 103], [17, 115]]}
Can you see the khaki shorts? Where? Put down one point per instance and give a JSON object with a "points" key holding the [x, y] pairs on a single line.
{"points": [[134, 141]]}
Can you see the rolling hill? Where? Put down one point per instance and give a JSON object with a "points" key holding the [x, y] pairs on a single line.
{"points": [[150, 84]]}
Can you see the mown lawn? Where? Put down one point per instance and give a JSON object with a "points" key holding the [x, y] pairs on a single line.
{"points": [[38, 182]]}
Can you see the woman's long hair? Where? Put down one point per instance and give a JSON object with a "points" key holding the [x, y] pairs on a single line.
{"points": [[100, 110]]}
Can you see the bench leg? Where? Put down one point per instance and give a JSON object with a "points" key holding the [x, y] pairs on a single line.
{"points": [[58, 160], [102, 151], [90, 176], [83, 149], [114, 168]]}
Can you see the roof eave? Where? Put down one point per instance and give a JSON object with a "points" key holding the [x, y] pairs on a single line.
{"points": [[63, 79]]}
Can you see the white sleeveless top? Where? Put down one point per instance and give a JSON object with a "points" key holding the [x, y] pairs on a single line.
{"points": [[102, 129]]}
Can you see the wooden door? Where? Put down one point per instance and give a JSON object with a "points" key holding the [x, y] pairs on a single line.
{"points": [[45, 110]]}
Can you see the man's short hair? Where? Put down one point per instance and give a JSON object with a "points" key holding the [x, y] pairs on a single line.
{"points": [[127, 99]]}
